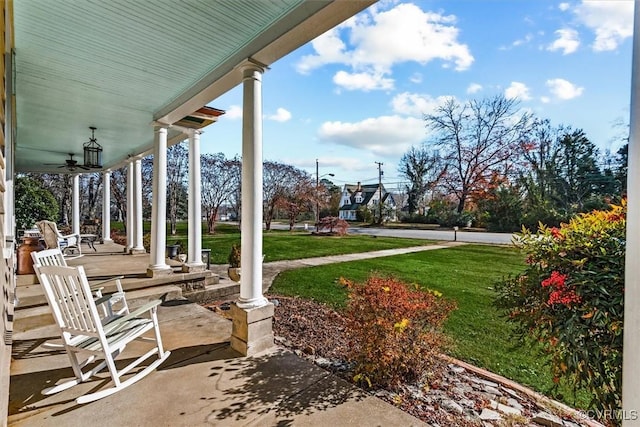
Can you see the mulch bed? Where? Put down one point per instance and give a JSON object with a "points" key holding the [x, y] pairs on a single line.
{"points": [[448, 395]]}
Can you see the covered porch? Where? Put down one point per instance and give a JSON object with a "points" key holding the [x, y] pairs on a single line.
{"points": [[130, 79], [204, 381]]}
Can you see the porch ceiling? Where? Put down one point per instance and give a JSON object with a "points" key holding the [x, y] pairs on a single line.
{"points": [[122, 64]]}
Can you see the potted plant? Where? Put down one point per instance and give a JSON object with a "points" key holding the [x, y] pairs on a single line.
{"points": [[174, 250], [234, 263]]}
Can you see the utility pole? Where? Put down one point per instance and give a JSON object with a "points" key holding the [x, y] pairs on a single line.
{"points": [[380, 190]]}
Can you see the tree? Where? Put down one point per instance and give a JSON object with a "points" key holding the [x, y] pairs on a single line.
{"points": [[33, 203], [298, 195], [475, 140], [423, 168], [119, 193], [539, 151], [177, 165], [577, 170], [60, 185], [330, 195], [90, 194], [622, 160], [219, 182], [275, 182]]}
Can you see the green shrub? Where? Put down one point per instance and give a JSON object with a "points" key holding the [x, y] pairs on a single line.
{"points": [[395, 330], [33, 203], [570, 298]]}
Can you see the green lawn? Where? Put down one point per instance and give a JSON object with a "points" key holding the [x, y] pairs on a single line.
{"points": [[466, 274], [282, 245]]}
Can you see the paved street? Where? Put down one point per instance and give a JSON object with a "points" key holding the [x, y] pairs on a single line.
{"points": [[447, 235]]}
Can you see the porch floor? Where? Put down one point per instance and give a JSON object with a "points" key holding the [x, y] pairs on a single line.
{"points": [[204, 382]]}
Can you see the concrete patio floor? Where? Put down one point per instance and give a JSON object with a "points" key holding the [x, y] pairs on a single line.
{"points": [[204, 382]]}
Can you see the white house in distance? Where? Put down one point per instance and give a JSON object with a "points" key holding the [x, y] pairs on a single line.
{"points": [[357, 196]]}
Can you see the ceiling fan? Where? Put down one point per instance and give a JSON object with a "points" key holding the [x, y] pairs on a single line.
{"points": [[70, 164]]}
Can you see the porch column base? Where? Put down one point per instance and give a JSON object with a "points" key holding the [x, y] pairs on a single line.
{"points": [[107, 241], [159, 271], [252, 330], [137, 251], [190, 268]]}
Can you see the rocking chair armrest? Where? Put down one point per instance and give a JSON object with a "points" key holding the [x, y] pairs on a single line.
{"points": [[103, 299], [150, 306], [74, 237], [111, 279]]}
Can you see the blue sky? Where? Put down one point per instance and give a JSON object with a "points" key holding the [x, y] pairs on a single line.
{"points": [[357, 94]]}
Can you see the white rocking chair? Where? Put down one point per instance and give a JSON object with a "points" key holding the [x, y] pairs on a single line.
{"points": [[84, 331], [117, 303]]}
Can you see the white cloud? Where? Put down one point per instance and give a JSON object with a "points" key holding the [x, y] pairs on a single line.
{"points": [[474, 88], [386, 135], [281, 116], [517, 90], [545, 99], [416, 78], [380, 39], [567, 41], [329, 49], [416, 105], [563, 6], [362, 81], [563, 89], [233, 112], [611, 21], [519, 42]]}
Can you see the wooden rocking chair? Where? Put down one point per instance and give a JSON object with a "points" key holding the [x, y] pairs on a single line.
{"points": [[84, 332]]}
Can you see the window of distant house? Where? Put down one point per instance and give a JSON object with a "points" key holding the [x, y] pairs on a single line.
{"points": [[358, 198]]}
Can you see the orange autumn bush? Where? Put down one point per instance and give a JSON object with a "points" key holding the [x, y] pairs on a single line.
{"points": [[394, 329]]}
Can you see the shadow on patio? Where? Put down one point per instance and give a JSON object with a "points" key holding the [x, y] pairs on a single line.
{"points": [[204, 382]]}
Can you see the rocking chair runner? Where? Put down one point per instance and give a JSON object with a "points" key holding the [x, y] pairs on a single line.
{"points": [[83, 332]]}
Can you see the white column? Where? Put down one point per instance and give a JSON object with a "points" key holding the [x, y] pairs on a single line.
{"points": [[138, 246], [631, 347], [159, 205], [106, 207], [75, 206], [194, 260], [251, 228], [130, 208]]}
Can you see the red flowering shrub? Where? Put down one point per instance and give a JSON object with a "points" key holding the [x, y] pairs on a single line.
{"points": [[333, 224], [395, 329], [570, 298]]}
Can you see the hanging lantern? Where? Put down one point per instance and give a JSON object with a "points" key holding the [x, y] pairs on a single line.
{"points": [[92, 152]]}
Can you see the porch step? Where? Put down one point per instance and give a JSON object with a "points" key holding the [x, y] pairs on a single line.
{"points": [[32, 295], [224, 289], [27, 318], [33, 310]]}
